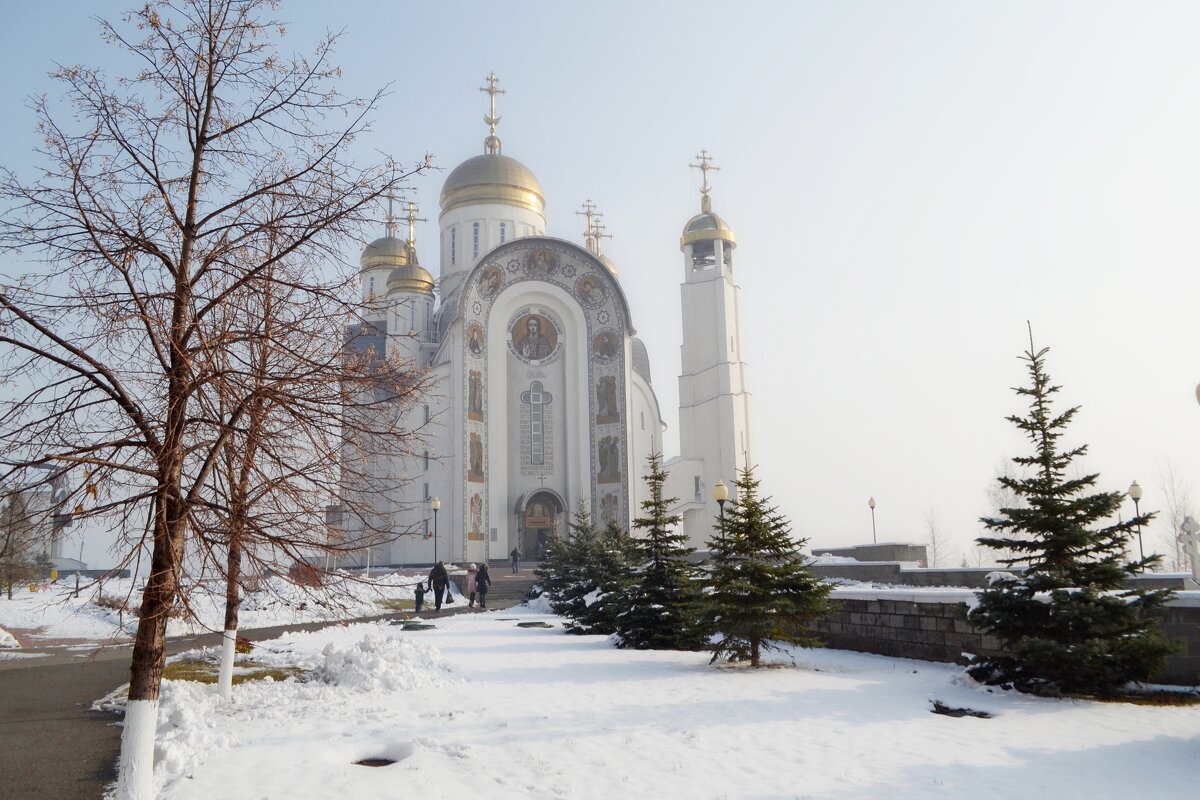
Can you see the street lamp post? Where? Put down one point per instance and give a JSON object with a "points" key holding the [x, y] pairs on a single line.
{"points": [[1135, 494], [721, 494], [435, 504], [871, 503]]}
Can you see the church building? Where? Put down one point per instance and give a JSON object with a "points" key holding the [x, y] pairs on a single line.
{"points": [[541, 394]]}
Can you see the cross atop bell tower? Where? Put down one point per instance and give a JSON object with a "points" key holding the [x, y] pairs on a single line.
{"points": [[705, 166]]}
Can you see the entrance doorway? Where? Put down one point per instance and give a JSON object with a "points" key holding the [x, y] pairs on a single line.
{"points": [[540, 519]]}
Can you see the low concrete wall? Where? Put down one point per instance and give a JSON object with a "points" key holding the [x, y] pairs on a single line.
{"points": [[933, 626], [899, 574], [886, 551]]}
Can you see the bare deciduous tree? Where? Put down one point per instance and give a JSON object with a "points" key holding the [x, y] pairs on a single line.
{"points": [[1177, 505], [938, 547], [163, 201]]}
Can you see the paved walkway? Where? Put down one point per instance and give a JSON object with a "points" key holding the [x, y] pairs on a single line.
{"points": [[55, 746]]}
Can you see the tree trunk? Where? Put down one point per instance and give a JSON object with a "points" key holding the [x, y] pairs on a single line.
{"points": [[755, 651], [233, 601], [136, 776]]}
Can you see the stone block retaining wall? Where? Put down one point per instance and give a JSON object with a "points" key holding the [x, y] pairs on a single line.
{"points": [[933, 626]]}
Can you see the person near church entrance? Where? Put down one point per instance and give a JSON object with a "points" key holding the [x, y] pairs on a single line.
{"points": [[439, 583], [516, 560], [472, 572], [483, 582]]}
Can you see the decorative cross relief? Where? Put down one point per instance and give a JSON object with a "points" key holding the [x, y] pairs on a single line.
{"points": [[536, 399]]}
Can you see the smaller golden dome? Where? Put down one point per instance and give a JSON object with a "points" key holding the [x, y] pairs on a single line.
{"points": [[706, 226], [384, 253], [411, 278]]}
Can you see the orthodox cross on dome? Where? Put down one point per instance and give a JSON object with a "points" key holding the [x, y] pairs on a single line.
{"points": [[595, 229], [704, 166], [413, 219], [492, 142], [390, 223]]}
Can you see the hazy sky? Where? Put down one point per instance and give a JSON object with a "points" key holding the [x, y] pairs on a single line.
{"points": [[909, 183]]}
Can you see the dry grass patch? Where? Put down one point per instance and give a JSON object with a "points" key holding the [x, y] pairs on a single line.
{"points": [[201, 671], [397, 604]]}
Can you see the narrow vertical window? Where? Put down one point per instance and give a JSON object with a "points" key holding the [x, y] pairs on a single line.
{"points": [[731, 344], [427, 413], [643, 418], [475, 234], [453, 246], [426, 491], [426, 460], [371, 287], [503, 233], [697, 478]]}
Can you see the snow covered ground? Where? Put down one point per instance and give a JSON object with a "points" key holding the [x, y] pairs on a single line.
{"points": [[53, 613], [479, 707]]}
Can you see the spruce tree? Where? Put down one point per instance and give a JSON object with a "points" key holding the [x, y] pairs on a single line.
{"points": [[760, 589], [659, 608], [1068, 624], [565, 568], [611, 577]]}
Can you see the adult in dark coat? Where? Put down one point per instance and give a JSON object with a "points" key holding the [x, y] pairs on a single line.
{"points": [[439, 581], [483, 582]]}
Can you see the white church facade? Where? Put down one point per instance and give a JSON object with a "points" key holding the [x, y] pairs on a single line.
{"points": [[540, 391]]}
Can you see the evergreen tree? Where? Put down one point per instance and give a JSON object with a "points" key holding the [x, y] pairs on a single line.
{"points": [[565, 567], [659, 608], [760, 589], [1067, 624], [611, 576]]}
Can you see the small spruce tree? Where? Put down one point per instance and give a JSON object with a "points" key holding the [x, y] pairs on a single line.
{"points": [[565, 567], [658, 611], [1068, 624], [611, 577], [760, 589]]}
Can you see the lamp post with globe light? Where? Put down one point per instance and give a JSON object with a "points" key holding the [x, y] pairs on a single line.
{"points": [[871, 503], [721, 494], [1135, 494]]}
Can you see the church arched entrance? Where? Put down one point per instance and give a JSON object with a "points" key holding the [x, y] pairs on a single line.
{"points": [[541, 518]]}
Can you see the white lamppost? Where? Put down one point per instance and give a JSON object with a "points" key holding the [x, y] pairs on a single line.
{"points": [[871, 503], [1135, 494]]}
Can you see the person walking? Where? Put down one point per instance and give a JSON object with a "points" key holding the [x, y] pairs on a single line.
{"points": [[472, 571], [439, 581], [516, 560], [483, 582], [419, 596]]}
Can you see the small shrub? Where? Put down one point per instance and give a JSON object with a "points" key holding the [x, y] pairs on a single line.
{"points": [[114, 603]]}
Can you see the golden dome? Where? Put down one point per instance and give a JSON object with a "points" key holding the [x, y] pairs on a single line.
{"points": [[411, 278], [492, 178], [387, 252], [706, 226]]}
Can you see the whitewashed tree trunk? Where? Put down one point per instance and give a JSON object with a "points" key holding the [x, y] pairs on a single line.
{"points": [[228, 654], [136, 778]]}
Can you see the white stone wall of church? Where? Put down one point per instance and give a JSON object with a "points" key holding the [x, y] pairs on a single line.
{"points": [[521, 222]]}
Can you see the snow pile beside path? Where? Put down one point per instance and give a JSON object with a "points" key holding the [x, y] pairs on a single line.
{"points": [[8, 641], [382, 663]]}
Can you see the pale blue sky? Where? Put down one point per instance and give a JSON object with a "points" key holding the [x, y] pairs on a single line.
{"points": [[909, 182]]}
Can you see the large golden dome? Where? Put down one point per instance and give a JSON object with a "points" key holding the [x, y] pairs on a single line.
{"points": [[493, 178]]}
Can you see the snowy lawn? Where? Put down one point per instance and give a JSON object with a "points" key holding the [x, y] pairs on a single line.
{"points": [[480, 707], [54, 613]]}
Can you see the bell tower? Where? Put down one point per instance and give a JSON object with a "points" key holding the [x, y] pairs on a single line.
{"points": [[714, 402]]}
